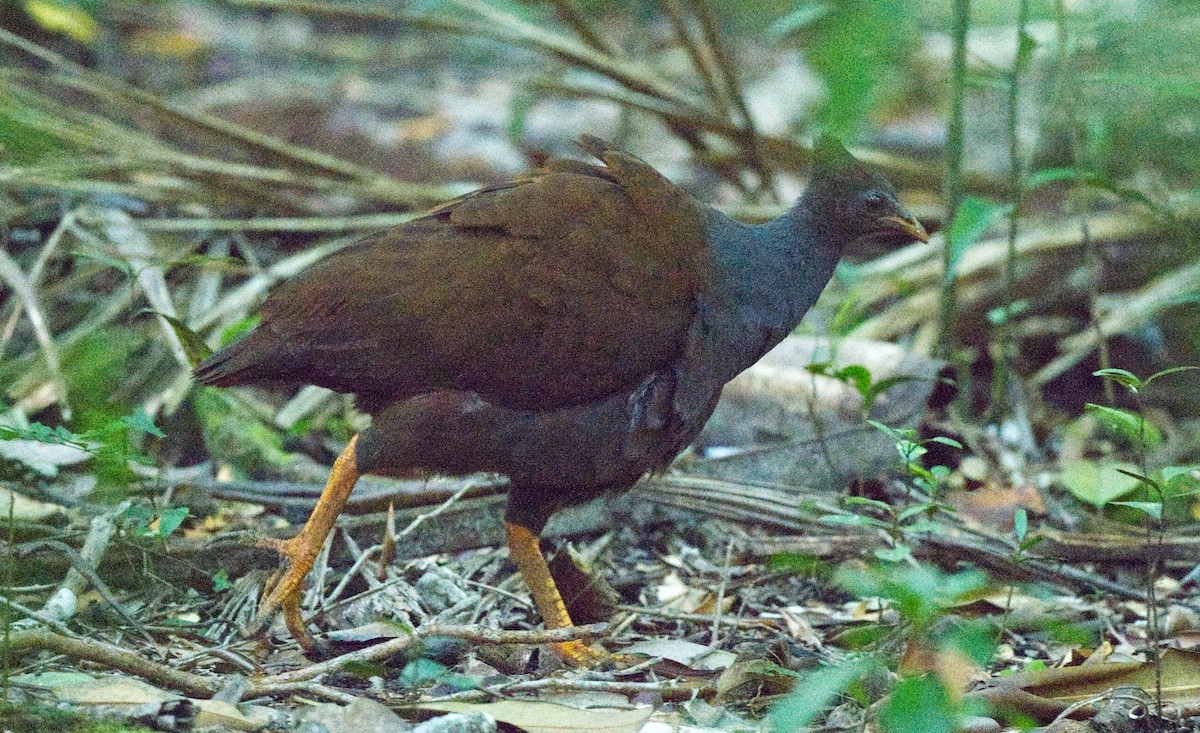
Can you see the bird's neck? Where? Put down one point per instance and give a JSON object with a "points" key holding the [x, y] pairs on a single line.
{"points": [[772, 273]]}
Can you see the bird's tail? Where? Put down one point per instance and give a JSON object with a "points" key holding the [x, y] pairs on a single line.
{"points": [[253, 359]]}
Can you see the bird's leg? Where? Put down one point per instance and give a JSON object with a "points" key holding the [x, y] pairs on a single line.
{"points": [[524, 549], [282, 591]]}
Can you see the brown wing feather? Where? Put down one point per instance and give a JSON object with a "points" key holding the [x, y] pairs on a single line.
{"points": [[550, 290]]}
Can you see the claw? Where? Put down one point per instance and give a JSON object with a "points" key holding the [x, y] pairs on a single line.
{"points": [[282, 591]]}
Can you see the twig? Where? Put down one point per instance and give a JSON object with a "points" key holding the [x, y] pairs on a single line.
{"points": [[81, 573], [474, 634], [716, 623], [22, 287], [702, 59], [576, 21], [441, 508], [669, 689], [35, 274], [309, 689], [111, 656], [703, 618], [104, 85], [733, 90], [53, 623]]}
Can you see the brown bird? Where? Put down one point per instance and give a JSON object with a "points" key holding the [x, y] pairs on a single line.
{"points": [[571, 328]]}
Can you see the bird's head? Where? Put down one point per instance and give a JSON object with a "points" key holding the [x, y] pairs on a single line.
{"points": [[852, 202]]}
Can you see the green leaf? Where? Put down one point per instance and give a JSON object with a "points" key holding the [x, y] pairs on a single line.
{"points": [[854, 520], [1142, 478], [816, 692], [919, 704], [973, 217], [797, 564], [221, 580], [884, 385], [1095, 484], [1003, 314], [910, 451], [1025, 48], [422, 670], [821, 368], [1141, 433], [912, 511], [1121, 377], [946, 441], [194, 346], [142, 423], [170, 520], [138, 518], [1030, 543], [1172, 370], [1051, 175], [1093, 180], [857, 375], [1153, 508], [864, 501], [802, 17], [60, 16], [1020, 523], [894, 433], [899, 553], [976, 639], [1170, 473]]}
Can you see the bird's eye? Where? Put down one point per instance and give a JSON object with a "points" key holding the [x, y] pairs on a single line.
{"points": [[874, 200]]}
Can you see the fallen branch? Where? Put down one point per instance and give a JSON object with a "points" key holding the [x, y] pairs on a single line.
{"points": [[475, 634]]}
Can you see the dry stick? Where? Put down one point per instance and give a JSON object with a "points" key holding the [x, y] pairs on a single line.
{"points": [[440, 509], [35, 274], [53, 623], [308, 689], [107, 85], [10, 272], [701, 59], [356, 569], [111, 656], [576, 21], [81, 573], [702, 618], [500, 25], [1136, 308], [683, 689], [716, 622], [474, 634], [733, 88]]}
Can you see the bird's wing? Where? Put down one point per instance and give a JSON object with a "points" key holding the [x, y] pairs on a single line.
{"points": [[550, 290]]}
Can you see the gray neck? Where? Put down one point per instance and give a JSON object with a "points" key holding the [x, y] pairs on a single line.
{"points": [[768, 276]]}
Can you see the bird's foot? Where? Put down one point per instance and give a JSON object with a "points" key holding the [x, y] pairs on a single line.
{"points": [[283, 591], [578, 654]]}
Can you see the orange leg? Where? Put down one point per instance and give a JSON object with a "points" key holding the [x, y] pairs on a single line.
{"points": [[523, 548], [299, 553]]}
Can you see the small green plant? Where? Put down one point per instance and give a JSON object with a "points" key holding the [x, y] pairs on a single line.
{"points": [[927, 484], [1101, 485], [111, 444], [920, 595], [142, 521], [860, 378]]}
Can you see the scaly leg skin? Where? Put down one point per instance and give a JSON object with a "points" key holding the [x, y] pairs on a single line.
{"points": [[524, 550], [282, 591]]}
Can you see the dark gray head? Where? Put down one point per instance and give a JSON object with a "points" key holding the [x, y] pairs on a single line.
{"points": [[847, 201]]}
